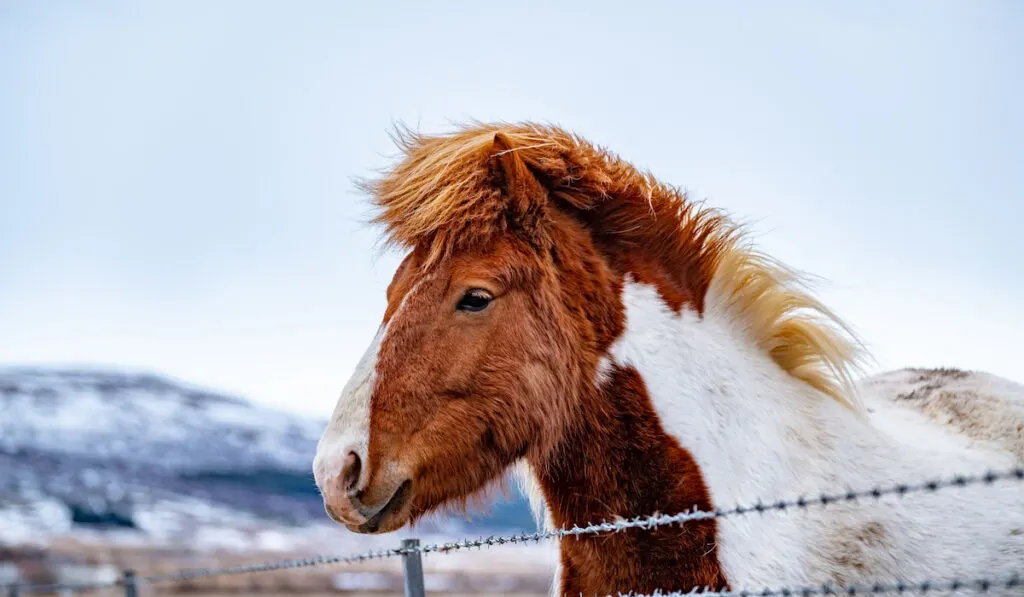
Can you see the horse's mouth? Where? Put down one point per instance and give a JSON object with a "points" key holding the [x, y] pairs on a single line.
{"points": [[379, 522]]}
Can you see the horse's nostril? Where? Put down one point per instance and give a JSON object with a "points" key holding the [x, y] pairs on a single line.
{"points": [[350, 472]]}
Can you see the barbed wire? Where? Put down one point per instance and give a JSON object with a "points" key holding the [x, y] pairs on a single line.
{"points": [[639, 522], [977, 584]]}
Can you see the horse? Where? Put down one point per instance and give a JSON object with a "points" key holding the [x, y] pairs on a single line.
{"points": [[565, 316]]}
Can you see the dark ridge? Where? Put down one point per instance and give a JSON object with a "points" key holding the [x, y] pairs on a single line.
{"points": [[83, 515]]}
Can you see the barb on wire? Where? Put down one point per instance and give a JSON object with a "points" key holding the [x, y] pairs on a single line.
{"points": [[640, 522], [977, 584]]}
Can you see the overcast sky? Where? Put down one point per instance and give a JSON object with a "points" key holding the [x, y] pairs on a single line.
{"points": [[176, 177]]}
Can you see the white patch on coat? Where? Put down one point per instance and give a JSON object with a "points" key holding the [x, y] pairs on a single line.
{"points": [[349, 427], [758, 433]]}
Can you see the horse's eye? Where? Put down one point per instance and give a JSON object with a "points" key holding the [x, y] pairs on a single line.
{"points": [[475, 300]]}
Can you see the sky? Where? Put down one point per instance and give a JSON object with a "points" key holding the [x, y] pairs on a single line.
{"points": [[176, 177]]}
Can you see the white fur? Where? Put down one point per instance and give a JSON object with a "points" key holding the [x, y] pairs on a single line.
{"points": [[349, 427], [758, 433], [529, 485], [605, 366]]}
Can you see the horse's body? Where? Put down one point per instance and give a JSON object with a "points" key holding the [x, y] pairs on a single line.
{"points": [[562, 310]]}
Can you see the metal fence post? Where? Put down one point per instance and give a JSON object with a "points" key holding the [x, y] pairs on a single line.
{"points": [[130, 588], [413, 568]]}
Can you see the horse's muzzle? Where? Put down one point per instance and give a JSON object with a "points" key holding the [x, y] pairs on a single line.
{"points": [[380, 507]]}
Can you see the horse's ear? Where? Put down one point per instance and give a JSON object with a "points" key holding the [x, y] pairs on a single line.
{"points": [[527, 197]]}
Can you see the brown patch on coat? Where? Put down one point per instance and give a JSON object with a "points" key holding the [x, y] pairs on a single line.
{"points": [[939, 373], [855, 552]]}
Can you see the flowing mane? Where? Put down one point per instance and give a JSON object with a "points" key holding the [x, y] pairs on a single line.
{"points": [[442, 195]]}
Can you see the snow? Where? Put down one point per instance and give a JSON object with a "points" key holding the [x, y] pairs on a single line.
{"points": [[363, 581], [30, 522]]}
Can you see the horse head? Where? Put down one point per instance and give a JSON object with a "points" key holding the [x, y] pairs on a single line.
{"points": [[496, 322]]}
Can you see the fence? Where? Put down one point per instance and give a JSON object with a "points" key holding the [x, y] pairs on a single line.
{"points": [[411, 551]]}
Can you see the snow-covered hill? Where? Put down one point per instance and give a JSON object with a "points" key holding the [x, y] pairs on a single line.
{"points": [[146, 421], [147, 457]]}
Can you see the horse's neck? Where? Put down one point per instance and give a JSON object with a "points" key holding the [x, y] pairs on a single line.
{"points": [[753, 430], [618, 462]]}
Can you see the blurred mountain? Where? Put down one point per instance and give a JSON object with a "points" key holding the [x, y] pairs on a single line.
{"points": [[91, 451]]}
